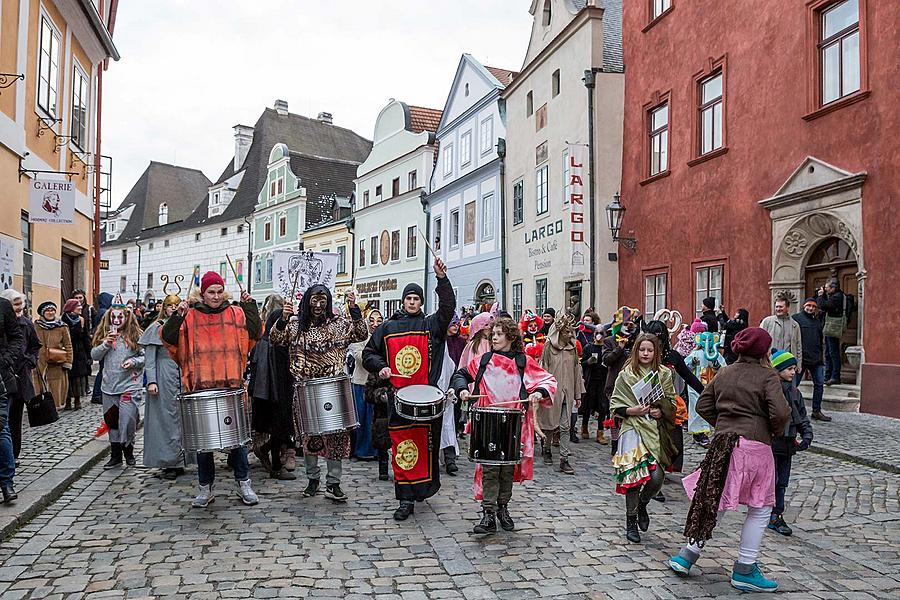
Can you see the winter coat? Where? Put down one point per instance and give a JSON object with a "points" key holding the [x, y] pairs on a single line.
{"points": [[563, 361], [12, 342], [832, 304], [785, 334], [56, 375], [713, 321], [32, 347], [811, 338], [81, 345], [271, 385], [745, 398], [731, 328], [380, 394], [797, 424]]}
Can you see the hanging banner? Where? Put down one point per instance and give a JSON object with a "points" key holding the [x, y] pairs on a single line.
{"points": [[51, 201], [575, 153], [309, 267], [7, 257]]}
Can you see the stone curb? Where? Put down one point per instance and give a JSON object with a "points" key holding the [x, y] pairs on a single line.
{"points": [[860, 460], [47, 488]]}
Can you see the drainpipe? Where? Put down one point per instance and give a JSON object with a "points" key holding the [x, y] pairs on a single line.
{"points": [[96, 269], [249, 271], [138, 292], [501, 152], [423, 198], [589, 81]]}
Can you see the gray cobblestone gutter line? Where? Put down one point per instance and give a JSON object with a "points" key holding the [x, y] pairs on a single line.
{"points": [[854, 458]]}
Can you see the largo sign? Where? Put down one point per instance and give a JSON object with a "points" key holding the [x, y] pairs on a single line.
{"points": [[576, 201]]}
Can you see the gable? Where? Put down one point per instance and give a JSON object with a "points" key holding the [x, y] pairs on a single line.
{"points": [[471, 83], [561, 14], [811, 173]]}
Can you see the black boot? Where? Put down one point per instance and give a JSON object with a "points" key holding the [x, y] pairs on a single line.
{"points": [[488, 524], [129, 455], [115, 455], [573, 423], [546, 454], [506, 521], [9, 493], [631, 530], [383, 470], [643, 517], [406, 508]]}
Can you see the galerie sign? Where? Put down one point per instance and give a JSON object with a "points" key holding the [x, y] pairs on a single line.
{"points": [[51, 201]]}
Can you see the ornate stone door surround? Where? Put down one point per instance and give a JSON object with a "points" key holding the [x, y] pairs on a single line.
{"points": [[816, 202]]}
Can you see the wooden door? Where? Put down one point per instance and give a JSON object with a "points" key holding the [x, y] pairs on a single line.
{"points": [[67, 278]]}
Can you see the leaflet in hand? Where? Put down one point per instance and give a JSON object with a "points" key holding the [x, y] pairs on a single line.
{"points": [[649, 389]]}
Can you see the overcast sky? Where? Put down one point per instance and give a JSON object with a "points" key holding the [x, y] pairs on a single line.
{"points": [[191, 69]]}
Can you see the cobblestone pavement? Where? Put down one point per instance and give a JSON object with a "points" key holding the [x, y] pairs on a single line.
{"points": [[128, 534], [869, 439]]}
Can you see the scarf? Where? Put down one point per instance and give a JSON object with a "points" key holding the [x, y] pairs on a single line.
{"points": [[71, 319], [49, 325], [701, 519]]}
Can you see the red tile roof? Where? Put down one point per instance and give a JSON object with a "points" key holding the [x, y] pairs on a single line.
{"points": [[424, 119], [504, 76]]}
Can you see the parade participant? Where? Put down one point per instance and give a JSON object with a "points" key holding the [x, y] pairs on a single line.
{"points": [[55, 357], [23, 363], [379, 395], [210, 339], [452, 418], [561, 358], [785, 446], [547, 318], [704, 362], [740, 321], [362, 446], [116, 343], [411, 344], [162, 418], [505, 373], [104, 302], [531, 327], [645, 449], [318, 341], [79, 333], [616, 350], [746, 406], [595, 400], [479, 336]]}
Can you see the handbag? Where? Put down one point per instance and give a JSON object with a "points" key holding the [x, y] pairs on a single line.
{"points": [[834, 326], [42, 408], [56, 356]]}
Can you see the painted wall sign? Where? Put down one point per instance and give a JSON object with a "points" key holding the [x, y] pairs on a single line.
{"points": [[544, 232], [575, 153], [51, 201]]}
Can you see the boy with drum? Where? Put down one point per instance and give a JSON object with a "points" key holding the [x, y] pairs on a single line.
{"points": [[408, 349], [504, 377], [210, 341]]}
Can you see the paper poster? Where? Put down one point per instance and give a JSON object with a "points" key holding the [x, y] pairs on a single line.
{"points": [[309, 268], [7, 254], [51, 201]]}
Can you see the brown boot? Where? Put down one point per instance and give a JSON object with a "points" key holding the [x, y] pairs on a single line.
{"points": [[68, 404], [77, 403], [585, 434], [601, 439]]}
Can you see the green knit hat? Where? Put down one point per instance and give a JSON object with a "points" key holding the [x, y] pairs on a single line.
{"points": [[782, 359]]}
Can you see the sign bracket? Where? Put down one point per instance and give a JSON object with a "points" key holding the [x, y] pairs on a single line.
{"points": [[24, 171]]}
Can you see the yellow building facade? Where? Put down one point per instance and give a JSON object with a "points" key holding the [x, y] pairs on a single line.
{"points": [[52, 54], [334, 237]]}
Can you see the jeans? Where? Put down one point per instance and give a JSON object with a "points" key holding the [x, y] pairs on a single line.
{"points": [[782, 476], [361, 437], [817, 375], [833, 359], [644, 493], [314, 471], [237, 458], [497, 484], [7, 460]]}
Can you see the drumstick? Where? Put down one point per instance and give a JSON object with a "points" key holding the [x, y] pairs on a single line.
{"points": [[505, 402], [401, 376], [234, 272], [435, 254], [193, 277]]}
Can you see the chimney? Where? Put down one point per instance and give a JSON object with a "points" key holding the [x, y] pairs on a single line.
{"points": [[243, 137], [281, 107], [325, 117]]}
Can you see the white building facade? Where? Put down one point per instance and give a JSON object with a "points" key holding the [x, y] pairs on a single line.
{"points": [[389, 213], [546, 112], [465, 198]]}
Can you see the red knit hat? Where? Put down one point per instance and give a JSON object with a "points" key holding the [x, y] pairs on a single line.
{"points": [[71, 305], [210, 278], [753, 342]]}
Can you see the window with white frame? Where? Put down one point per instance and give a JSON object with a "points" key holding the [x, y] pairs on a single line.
{"points": [[436, 234], [413, 180], [708, 283], [541, 189], [540, 295], [48, 68], [654, 293], [257, 271], [486, 135], [267, 231], [454, 228], [342, 260], [659, 7], [373, 250], [517, 301], [448, 159], [659, 139], [839, 50], [487, 217], [395, 245], [79, 107], [711, 113], [518, 202], [411, 241], [269, 265], [465, 148], [163, 213], [362, 253]]}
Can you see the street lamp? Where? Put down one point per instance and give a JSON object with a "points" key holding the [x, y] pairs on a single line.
{"points": [[614, 214]]}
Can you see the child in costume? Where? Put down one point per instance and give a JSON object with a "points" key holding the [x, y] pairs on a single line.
{"points": [[531, 326], [704, 361], [116, 343], [616, 349]]}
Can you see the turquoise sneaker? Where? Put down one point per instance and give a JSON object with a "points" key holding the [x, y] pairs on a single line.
{"points": [[680, 565], [748, 578]]}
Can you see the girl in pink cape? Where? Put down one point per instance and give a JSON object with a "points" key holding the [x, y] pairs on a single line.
{"points": [[479, 335], [501, 382]]}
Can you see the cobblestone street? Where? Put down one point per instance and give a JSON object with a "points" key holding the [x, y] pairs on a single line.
{"points": [[128, 534]]}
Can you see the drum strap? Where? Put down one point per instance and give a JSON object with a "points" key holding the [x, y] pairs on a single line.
{"points": [[520, 365]]}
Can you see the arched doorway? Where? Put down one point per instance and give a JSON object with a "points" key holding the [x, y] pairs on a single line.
{"points": [[485, 295], [833, 257]]}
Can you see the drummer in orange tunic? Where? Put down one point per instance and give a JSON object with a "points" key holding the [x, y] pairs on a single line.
{"points": [[210, 340], [507, 375], [411, 344], [318, 341]]}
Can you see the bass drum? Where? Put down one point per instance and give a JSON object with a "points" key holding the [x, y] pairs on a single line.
{"points": [[496, 435], [214, 420], [326, 405]]}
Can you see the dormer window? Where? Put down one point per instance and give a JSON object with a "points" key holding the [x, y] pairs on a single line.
{"points": [[547, 13], [163, 213], [215, 199], [111, 227]]}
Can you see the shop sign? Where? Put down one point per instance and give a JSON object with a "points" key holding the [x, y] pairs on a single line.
{"points": [[51, 201], [368, 288], [576, 202]]}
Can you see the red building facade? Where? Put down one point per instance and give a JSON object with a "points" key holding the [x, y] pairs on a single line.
{"points": [[762, 156]]}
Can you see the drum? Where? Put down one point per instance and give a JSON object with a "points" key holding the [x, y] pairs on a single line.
{"points": [[214, 420], [326, 405], [419, 402], [496, 435]]}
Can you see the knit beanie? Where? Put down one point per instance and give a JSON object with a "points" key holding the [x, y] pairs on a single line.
{"points": [[71, 305], [709, 303], [753, 342], [210, 278], [810, 301], [44, 306], [550, 311], [698, 326], [415, 289], [782, 359]]}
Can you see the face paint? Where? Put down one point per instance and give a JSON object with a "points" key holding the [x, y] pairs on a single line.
{"points": [[318, 303], [116, 319]]}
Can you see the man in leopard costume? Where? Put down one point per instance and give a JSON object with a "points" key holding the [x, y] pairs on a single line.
{"points": [[318, 341]]}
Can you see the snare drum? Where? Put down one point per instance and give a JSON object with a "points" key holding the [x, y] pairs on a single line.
{"points": [[419, 402], [214, 420], [496, 435], [326, 405]]}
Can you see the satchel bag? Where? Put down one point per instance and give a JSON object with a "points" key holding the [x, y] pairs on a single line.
{"points": [[42, 408], [834, 326], [56, 356]]}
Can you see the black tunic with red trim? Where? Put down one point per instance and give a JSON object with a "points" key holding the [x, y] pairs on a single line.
{"points": [[413, 345]]}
